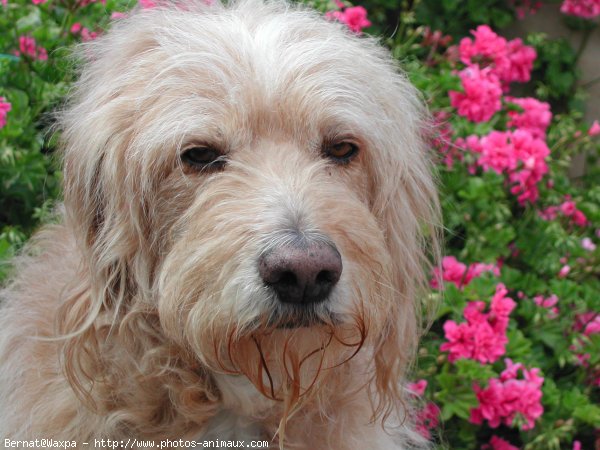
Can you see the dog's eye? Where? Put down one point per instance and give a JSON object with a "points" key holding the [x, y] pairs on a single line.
{"points": [[203, 157], [341, 152]]}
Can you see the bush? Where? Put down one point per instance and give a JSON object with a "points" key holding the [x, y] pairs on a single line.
{"points": [[512, 357]]}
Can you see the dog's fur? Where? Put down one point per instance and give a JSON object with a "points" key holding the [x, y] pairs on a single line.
{"points": [[142, 313]]}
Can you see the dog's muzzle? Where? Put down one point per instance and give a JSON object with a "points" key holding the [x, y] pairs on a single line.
{"points": [[301, 272]]}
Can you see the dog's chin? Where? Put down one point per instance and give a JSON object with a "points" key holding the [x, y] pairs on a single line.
{"points": [[291, 316], [300, 322]]}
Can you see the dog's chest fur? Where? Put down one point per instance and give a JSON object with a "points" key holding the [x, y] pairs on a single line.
{"points": [[243, 407]]}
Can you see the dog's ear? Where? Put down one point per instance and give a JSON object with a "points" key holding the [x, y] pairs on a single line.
{"points": [[404, 199], [103, 192]]}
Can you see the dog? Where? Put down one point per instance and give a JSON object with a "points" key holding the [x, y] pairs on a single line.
{"points": [[248, 220]]}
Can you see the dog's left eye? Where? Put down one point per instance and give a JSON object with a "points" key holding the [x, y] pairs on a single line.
{"points": [[203, 157], [341, 152]]}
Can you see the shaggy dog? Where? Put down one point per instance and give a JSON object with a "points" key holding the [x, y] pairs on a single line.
{"points": [[248, 216]]}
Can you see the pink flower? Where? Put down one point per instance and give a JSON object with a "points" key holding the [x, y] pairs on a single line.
{"points": [[549, 213], [507, 396], [458, 273], [545, 302], [587, 9], [588, 245], [483, 336], [594, 129], [354, 17], [548, 303], [535, 118], [486, 49], [5, 107], [569, 209], [481, 97], [27, 47], [579, 218], [564, 271], [497, 443], [86, 34], [576, 445], [521, 58], [38, 2], [509, 60], [418, 388], [524, 7], [518, 155], [427, 419]]}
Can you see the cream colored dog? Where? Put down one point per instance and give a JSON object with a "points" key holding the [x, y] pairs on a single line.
{"points": [[248, 214]]}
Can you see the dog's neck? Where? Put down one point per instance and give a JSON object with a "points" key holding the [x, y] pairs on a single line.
{"points": [[241, 397]]}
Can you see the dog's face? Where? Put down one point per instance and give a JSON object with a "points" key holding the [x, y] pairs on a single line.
{"points": [[255, 176]]}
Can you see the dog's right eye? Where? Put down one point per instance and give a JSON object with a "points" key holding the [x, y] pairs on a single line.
{"points": [[203, 157]]}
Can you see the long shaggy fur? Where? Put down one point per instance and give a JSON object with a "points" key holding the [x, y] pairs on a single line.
{"points": [[142, 314]]}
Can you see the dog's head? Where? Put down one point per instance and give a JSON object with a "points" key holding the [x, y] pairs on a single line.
{"points": [[255, 177]]}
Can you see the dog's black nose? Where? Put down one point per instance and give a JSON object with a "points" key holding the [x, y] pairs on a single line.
{"points": [[302, 272]]}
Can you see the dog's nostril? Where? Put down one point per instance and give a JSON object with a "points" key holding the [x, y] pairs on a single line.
{"points": [[303, 272], [288, 278], [325, 276]]}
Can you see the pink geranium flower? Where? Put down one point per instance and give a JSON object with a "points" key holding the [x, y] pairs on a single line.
{"points": [[480, 98], [418, 388], [497, 443], [569, 209], [564, 271], [587, 9], [535, 118], [459, 274], [354, 17], [28, 47], [427, 419], [508, 396], [548, 303], [521, 58], [5, 107], [594, 129], [509, 60], [483, 336], [588, 244], [515, 153]]}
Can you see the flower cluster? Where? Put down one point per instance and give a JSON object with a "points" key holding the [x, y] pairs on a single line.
{"points": [[548, 303], [524, 7], [355, 17], [28, 47], [483, 336], [508, 397], [481, 97], [521, 151], [458, 273], [5, 107], [517, 154], [568, 209], [497, 443], [86, 35], [587, 9], [428, 417], [534, 118], [509, 60]]}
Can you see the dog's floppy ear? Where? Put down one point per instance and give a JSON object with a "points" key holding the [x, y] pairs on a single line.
{"points": [[104, 204], [404, 199]]}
